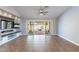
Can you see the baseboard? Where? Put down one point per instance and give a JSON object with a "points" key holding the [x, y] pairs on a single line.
{"points": [[69, 40]]}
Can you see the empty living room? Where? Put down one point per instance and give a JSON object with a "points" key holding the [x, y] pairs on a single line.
{"points": [[39, 28]]}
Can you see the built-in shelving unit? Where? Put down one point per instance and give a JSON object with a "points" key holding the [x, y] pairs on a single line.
{"points": [[9, 26]]}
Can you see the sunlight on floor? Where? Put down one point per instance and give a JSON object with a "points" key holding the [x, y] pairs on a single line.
{"points": [[38, 39]]}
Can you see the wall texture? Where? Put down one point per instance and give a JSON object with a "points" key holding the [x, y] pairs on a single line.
{"points": [[68, 25]]}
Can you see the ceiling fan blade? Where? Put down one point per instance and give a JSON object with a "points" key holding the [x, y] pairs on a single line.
{"points": [[45, 12]]}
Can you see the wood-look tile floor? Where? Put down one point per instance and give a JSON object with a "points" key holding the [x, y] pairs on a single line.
{"points": [[39, 43]]}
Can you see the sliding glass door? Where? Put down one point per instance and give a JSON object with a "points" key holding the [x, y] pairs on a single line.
{"points": [[38, 27]]}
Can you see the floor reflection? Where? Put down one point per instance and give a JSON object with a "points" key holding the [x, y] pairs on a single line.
{"points": [[38, 39], [38, 43]]}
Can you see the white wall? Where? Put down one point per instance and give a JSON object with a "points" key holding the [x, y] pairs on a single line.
{"points": [[24, 26], [68, 25]]}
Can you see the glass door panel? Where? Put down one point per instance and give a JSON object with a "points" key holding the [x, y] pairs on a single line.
{"points": [[38, 27], [30, 28]]}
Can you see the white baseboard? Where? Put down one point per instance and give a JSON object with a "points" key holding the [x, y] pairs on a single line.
{"points": [[69, 40]]}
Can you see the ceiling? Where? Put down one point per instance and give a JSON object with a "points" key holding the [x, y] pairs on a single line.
{"points": [[32, 12]]}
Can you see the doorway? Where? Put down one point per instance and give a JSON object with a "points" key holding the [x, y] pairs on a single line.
{"points": [[38, 27]]}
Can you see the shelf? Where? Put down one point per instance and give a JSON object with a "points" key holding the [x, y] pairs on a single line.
{"points": [[16, 24], [3, 17], [9, 33], [6, 31], [8, 38]]}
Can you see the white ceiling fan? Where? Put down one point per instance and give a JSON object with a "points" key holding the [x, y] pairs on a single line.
{"points": [[43, 11]]}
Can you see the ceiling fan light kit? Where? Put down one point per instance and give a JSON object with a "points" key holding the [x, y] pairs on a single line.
{"points": [[43, 11]]}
